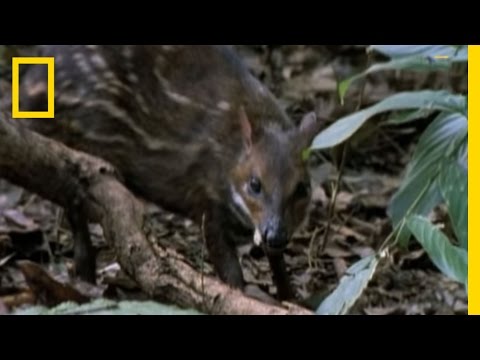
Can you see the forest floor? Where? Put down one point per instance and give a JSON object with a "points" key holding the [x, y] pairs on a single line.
{"points": [[304, 78]]}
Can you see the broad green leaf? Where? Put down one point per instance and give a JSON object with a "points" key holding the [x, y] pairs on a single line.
{"points": [[351, 287], [404, 117], [435, 143], [463, 154], [345, 127], [108, 307], [453, 183], [457, 53], [451, 260], [411, 57]]}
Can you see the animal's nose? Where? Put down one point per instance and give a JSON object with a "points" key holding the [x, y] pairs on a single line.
{"points": [[275, 236]]}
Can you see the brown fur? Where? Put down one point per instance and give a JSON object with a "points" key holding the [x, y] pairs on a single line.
{"points": [[184, 125]]}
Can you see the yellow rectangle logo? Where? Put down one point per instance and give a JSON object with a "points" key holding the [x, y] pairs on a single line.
{"points": [[16, 112], [473, 178]]}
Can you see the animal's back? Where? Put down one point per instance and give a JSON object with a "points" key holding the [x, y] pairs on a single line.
{"points": [[164, 115]]}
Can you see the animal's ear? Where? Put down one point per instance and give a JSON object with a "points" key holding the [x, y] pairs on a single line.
{"points": [[309, 128], [246, 128]]}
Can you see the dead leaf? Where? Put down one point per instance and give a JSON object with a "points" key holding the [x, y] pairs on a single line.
{"points": [[303, 56], [5, 259], [89, 290], [460, 307], [340, 266], [19, 219], [19, 299], [335, 251], [414, 255], [287, 72], [95, 230], [49, 291], [111, 269], [319, 196], [374, 200], [321, 80], [364, 225], [112, 274], [344, 200], [363, 251], [303, 279], [10, 195], [383, 310], [348, 232]]}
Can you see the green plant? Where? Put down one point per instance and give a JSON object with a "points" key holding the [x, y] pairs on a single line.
{"points": [[436, 174], [108, 307]]}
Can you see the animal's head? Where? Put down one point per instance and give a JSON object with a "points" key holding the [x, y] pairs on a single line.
{"points": [[271, 183]]}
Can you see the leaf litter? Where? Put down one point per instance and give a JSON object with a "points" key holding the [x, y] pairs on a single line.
{"points": [[36, 244]]}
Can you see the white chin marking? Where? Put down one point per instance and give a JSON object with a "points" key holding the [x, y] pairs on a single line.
{"points": [[257, 238], [237, 198]]}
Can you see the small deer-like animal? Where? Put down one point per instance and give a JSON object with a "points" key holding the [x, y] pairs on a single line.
{"points": [[190, 129]]}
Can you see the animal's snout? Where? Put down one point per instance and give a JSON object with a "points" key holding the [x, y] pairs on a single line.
{"points": [[275, 235]]}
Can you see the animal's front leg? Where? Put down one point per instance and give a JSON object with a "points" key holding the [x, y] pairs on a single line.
{"points": [[221, 247], [280, 276], [84, 253]]}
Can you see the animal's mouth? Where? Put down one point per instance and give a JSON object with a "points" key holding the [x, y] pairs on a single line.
{"points": [[270, 248]]}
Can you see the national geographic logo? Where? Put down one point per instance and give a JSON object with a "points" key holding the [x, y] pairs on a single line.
{"points": [[17, 113]]}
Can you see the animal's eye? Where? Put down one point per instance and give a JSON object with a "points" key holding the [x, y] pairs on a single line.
{"points": [[302, 190], [255, 185]]}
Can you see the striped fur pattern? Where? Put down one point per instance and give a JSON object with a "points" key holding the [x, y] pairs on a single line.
{"points": [[167, 117]]}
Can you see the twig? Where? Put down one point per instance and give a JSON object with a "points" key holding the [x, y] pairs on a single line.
{"points": [[363, 224], [342, 164], [311, 247], [333, 201], [364, 83]]}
